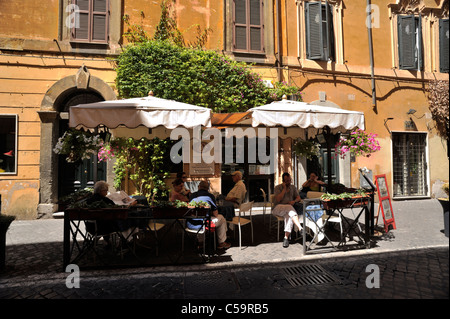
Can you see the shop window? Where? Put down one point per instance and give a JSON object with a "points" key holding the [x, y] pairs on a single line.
{"points": [[8, 144], [410, 42], [91, 21], [248, 26], [319, 31]]}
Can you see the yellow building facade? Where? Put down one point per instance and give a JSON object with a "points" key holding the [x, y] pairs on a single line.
{"points": [[59, 53]]}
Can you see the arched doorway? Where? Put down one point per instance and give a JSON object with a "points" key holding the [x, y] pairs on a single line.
{"points": [[73, 177], [70, 90]]}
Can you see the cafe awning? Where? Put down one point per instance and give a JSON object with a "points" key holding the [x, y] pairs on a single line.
{"points": [[147, 111], [287, 113]]}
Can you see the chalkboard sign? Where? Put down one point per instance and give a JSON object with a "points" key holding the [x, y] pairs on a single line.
{"points": [[385, 202]]}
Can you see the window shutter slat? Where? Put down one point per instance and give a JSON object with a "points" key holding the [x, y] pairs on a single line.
{"points": [[241, 38], [82, 32], [83, 4], [406, 42], [255, 39], [255, 12], [99, 28], [443, 45], [314, 37], [100, 5], [240, 11]]}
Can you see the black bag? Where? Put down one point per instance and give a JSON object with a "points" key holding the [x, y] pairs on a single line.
{"points": [[298, 208]]}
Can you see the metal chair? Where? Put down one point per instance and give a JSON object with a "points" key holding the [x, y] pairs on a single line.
{"points": [[266, 204], [201, 231], [240, 221]]}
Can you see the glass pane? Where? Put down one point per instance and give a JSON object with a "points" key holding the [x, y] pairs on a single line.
{"points": [[99, 28], [240, 12], [100, 5], [8, 131], [255, 39], [241, 38], [83, 4], [255, 12]]}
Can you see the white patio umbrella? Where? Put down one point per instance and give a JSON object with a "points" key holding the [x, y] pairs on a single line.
{"points": [[308, 116], [148, 111], [311, 117]]}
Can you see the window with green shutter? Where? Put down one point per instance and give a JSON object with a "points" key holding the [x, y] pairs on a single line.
{"points": [[248, 27], [443, 45], [410, 42], [319, 31], [92, 21]]}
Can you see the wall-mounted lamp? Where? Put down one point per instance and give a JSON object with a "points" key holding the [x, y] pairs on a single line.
{"points": [[385, 121], [412, 111]]}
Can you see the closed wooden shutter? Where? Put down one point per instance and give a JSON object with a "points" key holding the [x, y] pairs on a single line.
{"points": [[248, 26], [314, 34], [409, 42], [443, 45], [93, 18]]}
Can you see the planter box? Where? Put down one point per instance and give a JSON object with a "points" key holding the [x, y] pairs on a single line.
{"points": [[97, 214], [173, 212], [344, 203]]}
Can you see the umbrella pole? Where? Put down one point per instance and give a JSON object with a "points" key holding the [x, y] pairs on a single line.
{"points": [[95, 164], [328, 134]]}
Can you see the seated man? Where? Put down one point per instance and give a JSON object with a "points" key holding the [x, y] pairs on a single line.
{"points": [[286, 196], [204, 195], [237, 194]]}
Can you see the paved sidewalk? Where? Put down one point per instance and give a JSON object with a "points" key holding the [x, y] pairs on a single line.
{"points": [[415, 254]]}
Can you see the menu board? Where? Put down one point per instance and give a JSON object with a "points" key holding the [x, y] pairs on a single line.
{"points": [[385, 202]]}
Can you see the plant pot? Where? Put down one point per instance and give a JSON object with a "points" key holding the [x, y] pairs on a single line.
{"points": [[444, 203], [5, 221]]}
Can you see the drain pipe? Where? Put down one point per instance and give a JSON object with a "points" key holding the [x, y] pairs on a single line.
{"points": [[369, 31], [278, 26]]}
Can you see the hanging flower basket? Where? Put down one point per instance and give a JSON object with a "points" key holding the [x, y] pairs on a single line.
{"points": [[78, 145], [359, 143], [307, 149]]}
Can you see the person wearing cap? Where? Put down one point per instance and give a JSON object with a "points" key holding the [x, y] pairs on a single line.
{"points": [[237, 193]]}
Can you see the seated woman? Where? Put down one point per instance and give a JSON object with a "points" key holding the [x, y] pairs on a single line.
{"points": [[104, 227], [312, 184], [176, 194]]}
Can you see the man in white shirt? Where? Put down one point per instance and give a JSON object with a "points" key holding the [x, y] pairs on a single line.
{"points": [[286, 196], [237, 193]]}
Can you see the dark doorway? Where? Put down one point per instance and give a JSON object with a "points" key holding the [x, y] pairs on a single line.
{"points": [[73, 177]]}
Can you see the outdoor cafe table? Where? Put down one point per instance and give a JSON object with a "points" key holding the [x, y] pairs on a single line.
{"points": [[337, 207], [132, 217]]}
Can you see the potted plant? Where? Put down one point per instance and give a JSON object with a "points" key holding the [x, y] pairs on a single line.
{"points": [[307, 149], [5, 221], [444, 203], [78, 145], [358, 143]]}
